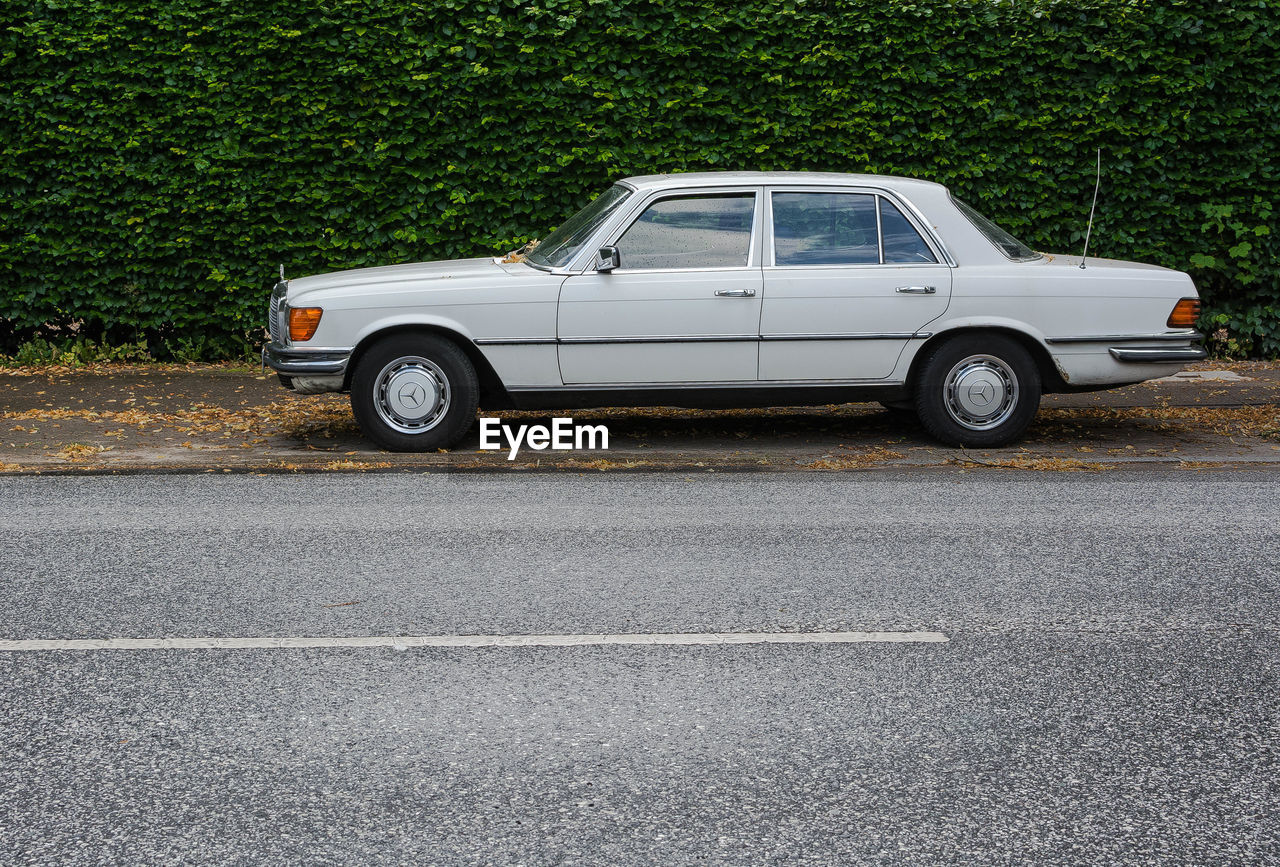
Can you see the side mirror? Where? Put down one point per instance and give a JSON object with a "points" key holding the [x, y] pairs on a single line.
{"points": [[607, 259]]}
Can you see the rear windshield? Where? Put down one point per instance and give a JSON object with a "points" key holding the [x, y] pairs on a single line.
{"points": [[1009, 245]]}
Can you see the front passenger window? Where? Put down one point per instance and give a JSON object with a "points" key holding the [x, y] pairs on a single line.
{"points": [[690, 232]]}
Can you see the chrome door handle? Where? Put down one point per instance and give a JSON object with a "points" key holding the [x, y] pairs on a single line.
{"points": [[916, 290], [735, 293]]}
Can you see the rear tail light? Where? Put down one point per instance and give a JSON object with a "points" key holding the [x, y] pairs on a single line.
{"points": [[303, 322], [1185, 313]]}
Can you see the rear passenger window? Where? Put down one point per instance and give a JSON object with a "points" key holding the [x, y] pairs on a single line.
{"points": [[825, 229], [902, 243]]}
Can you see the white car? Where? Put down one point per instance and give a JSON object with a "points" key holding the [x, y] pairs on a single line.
{"points": [[737, 289]]}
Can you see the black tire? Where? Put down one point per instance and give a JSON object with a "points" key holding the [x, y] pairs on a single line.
{"points": [[978, 391], [404, 368]]}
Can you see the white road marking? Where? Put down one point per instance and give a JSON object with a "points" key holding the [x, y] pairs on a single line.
{"points": [[406, 641]]}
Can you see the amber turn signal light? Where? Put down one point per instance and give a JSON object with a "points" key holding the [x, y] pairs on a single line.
{"points": [[1184, 315], [303, 322]]}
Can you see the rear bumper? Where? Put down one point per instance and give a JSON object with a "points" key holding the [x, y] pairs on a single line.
{"points": [[1158, 354], [294, 361]]}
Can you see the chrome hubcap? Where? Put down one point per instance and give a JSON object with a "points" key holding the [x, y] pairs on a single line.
{"points": [[981, 392], [412, 394]]}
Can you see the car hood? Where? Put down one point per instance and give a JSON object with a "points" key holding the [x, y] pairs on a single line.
{"points": [[416, 273]]}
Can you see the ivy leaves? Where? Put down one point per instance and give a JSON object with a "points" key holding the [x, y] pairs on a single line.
{"points": [[162, 157]]}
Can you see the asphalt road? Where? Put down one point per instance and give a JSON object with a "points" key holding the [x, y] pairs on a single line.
{"points": [[1110, 691]]}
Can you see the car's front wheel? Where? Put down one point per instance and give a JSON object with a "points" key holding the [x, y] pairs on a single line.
{"points": [[414, 392], [978, 391]]}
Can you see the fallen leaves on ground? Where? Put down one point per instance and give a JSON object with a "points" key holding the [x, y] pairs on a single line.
{"points": [[7, 368], [604, 464], [294, 418], [78, 451], [1031, 462], [356, 465], [854, 460], [1258, 420]]}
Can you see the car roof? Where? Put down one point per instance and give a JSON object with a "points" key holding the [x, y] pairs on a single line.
{"points": [[678, 180]]}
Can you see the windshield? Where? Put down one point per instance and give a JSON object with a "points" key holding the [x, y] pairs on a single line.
{"points": [[1009, 245], [559, 248]]}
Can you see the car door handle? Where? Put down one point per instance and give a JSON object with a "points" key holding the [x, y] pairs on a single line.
{"points": [[735, 293], [916, 290]]}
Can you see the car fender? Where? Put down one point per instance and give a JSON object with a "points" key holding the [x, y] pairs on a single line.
{"points": [[941, 330], [432, 321]]}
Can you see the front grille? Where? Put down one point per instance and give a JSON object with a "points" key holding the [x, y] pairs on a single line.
{"points": [[275, 314]]}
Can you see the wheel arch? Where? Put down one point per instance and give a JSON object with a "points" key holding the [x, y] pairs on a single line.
{"points": [[493, 394], [1051, 378]]}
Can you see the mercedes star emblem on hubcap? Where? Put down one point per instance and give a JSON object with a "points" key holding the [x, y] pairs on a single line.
{"points": [[982, 393], [412, 394]]}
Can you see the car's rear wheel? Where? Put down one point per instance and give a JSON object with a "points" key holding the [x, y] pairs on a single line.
{"points": [[978, 391], [414, 392]]}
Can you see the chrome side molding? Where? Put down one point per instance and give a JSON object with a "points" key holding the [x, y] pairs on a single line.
{"points": [[1128, 338], [1151, 355]]}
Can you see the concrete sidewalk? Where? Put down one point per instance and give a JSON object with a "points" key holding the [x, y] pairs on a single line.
{"points": [[211, 419]]}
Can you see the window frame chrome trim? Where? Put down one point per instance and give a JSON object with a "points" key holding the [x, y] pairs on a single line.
{"points": [[880, 231], [911, 211]]}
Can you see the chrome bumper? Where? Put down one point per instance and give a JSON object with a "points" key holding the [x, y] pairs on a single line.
{"points": [[1159, 354], [305, 362]]}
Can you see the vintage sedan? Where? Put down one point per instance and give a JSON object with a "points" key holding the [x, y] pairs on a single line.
{"points": [[733, 289]]}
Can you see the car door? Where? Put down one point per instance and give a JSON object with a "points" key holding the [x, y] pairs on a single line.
{"points": [[683, 304], [849, 278]]}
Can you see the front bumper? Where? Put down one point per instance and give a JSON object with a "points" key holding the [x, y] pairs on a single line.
{"points": [[295, 361]]}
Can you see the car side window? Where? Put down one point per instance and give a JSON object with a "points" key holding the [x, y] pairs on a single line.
{"points": [[690, 232], [902, 243], [825, 229]]}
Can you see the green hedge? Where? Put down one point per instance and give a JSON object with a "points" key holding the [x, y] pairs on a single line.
{"points": [[162, 158]]}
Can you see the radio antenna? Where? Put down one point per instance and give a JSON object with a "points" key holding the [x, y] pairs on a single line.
{"points": [[1089, 231]]}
